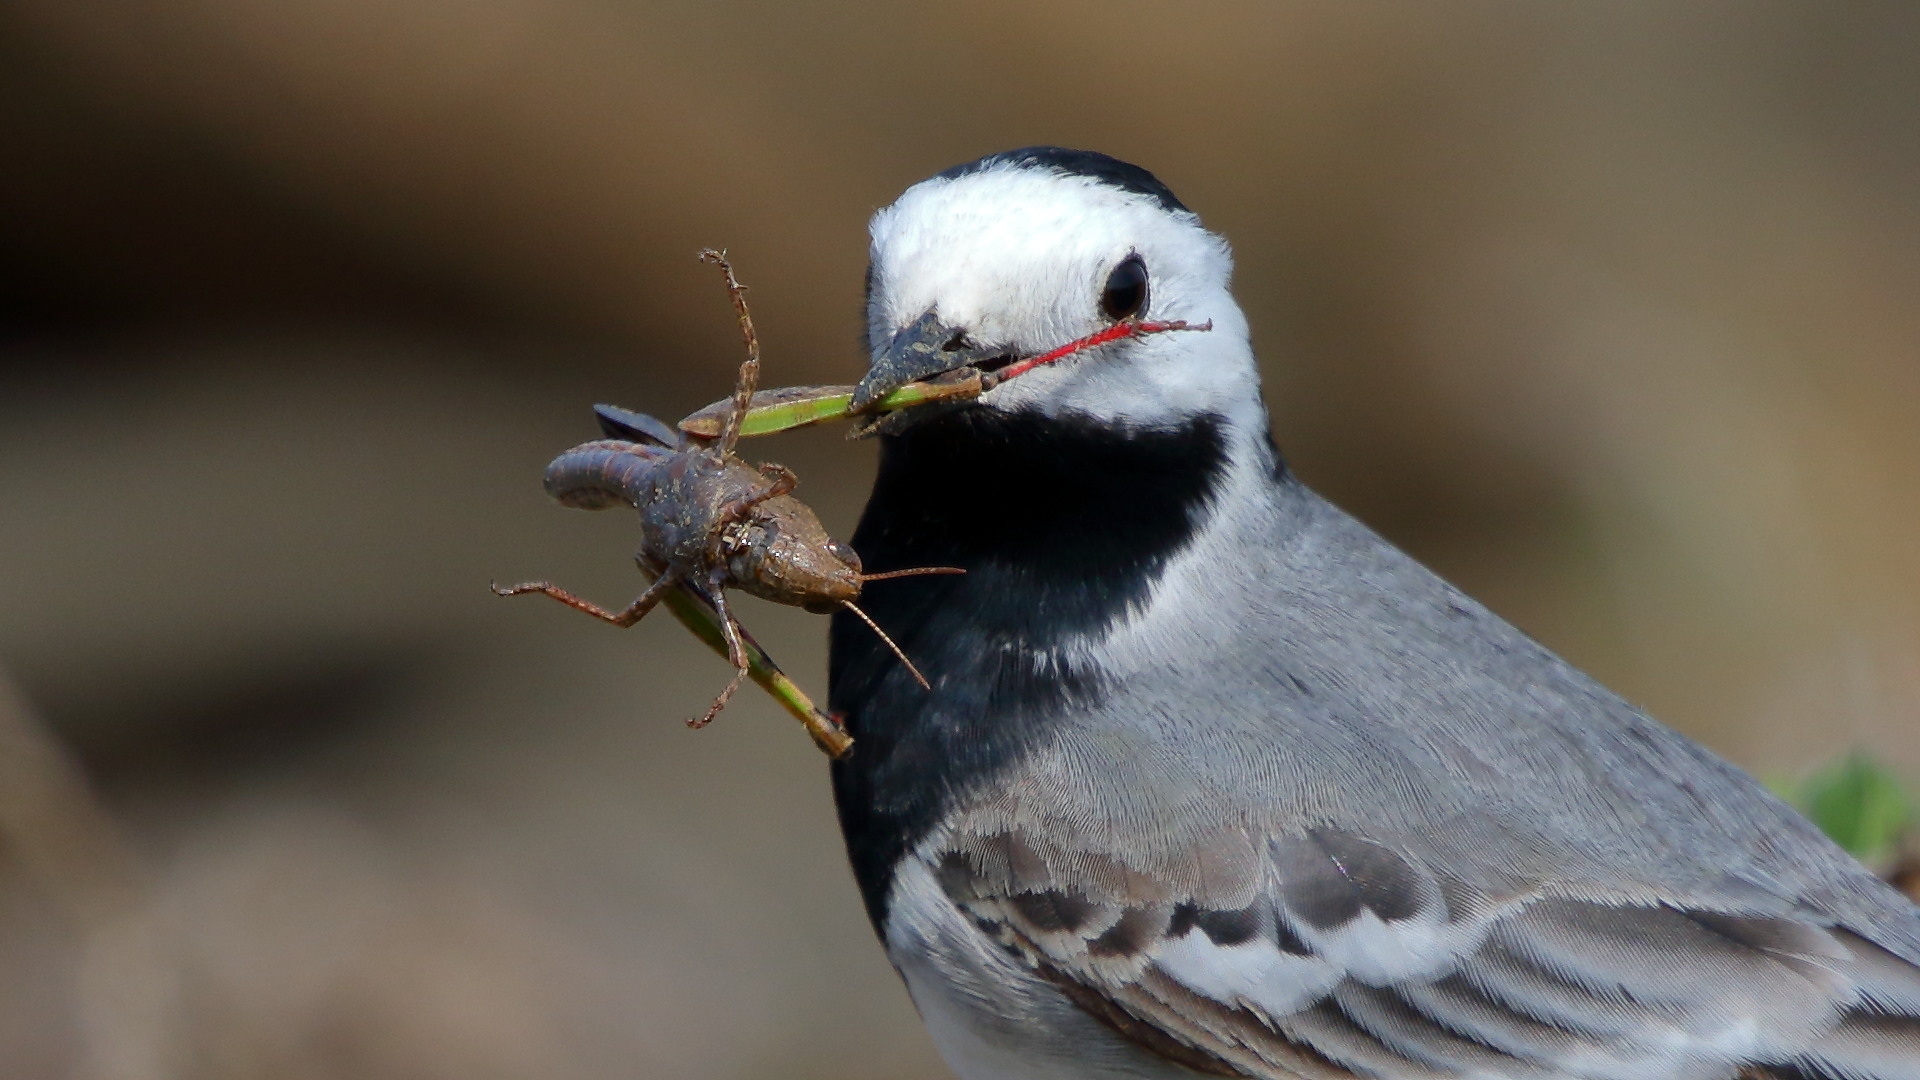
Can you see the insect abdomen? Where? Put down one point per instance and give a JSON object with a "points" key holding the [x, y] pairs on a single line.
{"points": [[596, 475]]}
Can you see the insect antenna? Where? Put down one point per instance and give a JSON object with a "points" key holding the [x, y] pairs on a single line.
{"points": [[875, 627], [749, 377], [917, 571]]}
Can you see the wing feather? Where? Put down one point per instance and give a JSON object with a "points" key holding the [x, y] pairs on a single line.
{"points": [[1328, 955]]}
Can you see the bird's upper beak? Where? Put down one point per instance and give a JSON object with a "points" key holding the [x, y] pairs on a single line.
{"points": [[924, 348]]}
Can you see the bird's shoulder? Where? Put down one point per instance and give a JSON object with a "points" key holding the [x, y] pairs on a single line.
{"points": [[1329, 676]]}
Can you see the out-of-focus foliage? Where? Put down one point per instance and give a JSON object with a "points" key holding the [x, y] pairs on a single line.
{"points": [[1861, 805]]}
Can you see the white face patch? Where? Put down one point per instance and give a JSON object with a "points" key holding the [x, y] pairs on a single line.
{"points": [[1017, 258]]}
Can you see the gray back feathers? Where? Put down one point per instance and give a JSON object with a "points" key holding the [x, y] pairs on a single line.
{"points": [[1372, 830]]}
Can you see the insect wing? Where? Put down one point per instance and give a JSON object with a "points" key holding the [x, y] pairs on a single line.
{"points": [[619, 423]]}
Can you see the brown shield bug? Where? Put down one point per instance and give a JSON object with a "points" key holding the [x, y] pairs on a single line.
{"points": [[709, 521]]}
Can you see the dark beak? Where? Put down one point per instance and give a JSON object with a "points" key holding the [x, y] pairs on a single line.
{"points": [[925, 348]]}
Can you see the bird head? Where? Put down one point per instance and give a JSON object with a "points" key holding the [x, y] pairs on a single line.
{"points": [[1005, 258]]}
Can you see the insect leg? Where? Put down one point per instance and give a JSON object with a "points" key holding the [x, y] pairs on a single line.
{"points": [[749, 377], [736, 651], [627, 616], [783, 482], [783, 479]]}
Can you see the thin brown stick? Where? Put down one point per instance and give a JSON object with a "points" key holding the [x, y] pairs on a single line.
{"points": [[875, 627], [54, 822], [62, 835], [749, 376]]}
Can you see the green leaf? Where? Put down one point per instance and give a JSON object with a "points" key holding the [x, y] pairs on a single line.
{"points": [[1861, 806], [789, 407]]}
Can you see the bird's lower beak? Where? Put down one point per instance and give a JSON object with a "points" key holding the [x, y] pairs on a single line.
{"points": [[925, 348]]}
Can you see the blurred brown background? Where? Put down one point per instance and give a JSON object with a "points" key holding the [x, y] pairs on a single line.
{"points": [[1607, 310]]}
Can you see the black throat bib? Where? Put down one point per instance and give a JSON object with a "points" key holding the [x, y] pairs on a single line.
{"points": [[1061, 525]]}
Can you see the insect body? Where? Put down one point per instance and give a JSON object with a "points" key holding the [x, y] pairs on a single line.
{"points": [[708, 520]]}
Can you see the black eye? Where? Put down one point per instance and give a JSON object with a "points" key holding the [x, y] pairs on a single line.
{"points": [[1126, 293], [845, 554]]}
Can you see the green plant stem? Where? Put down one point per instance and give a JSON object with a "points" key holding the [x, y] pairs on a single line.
{"points": [[697, 616]]}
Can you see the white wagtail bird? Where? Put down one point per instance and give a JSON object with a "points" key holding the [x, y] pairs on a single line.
{"points": [[1213, 780]]}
